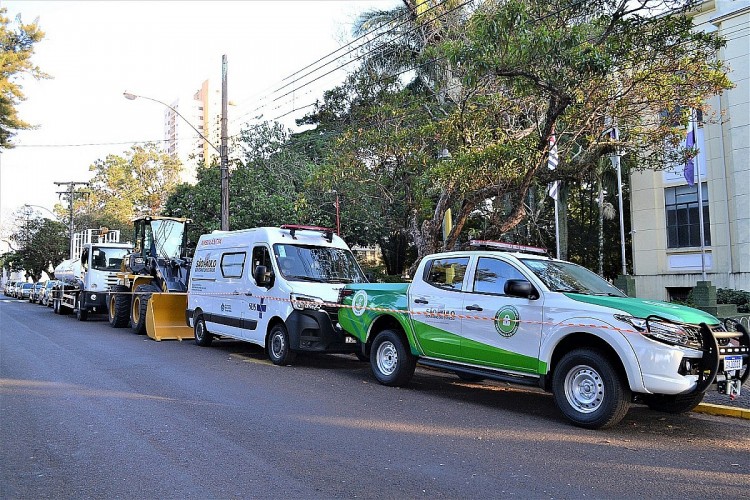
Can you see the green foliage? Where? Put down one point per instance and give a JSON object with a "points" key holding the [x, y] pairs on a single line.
{"points": [[16, 49], [124, 187], [741, 298], [43, 244]]}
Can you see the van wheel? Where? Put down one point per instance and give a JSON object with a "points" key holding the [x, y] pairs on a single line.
{"points": [[589, 391], [140, 305], [81, 313], [390, 359], [678, 403], [278, 346], [118, 306], [203, 337]]}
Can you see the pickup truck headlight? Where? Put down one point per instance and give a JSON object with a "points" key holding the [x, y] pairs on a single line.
{"points": [[663, 331], [302, 302]]}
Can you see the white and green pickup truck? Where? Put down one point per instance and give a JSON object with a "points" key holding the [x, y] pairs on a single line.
{"points": [[529, 319]]}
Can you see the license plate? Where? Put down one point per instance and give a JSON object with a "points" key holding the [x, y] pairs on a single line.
{"points": [[352, 340], [732, 363]]}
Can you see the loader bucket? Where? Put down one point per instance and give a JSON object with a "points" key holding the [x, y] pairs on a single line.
{"points": [[165, 317]]}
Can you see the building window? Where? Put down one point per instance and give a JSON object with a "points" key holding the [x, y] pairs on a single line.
{"points": [[683, 222]]}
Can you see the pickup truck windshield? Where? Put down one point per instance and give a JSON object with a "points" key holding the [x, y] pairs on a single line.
{"points": [[321, 264], [566, 277]]}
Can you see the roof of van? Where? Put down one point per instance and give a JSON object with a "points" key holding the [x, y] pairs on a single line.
{"points": [[291, 234]]}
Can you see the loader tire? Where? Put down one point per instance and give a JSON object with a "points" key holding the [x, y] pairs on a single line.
{"points": [[118, 307], [140, 305]]}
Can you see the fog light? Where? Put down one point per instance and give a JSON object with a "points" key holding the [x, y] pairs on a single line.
{"points": [[93, 296]]}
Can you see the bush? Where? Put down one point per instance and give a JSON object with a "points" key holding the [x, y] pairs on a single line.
{"points": [[740, 298]]}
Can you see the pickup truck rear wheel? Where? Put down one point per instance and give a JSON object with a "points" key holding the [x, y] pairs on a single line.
{"points": [[589, 391], [390, 359], [678, 403], [118, 306], [278, 348]]}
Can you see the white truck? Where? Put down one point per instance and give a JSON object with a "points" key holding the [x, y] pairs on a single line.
{"points": [[85, 280], [520, 317], [270, 286]]}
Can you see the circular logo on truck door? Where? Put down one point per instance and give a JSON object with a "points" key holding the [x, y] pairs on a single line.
{"points": [[359, 303], [506, 321]]}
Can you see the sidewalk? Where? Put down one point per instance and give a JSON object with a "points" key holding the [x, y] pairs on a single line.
{"points": [[719, 404]]}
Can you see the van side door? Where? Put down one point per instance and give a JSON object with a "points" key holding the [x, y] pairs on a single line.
{"points": [[258, 307]]}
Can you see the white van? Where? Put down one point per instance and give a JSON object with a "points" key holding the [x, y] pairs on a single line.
{"points": [[276, 287]]}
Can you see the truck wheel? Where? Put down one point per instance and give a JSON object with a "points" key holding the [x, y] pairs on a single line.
{"points": [[678, 403], [118, 306], [81, 313], [390, 359], [589, 391], [278, 346], [203, 337], [140, 304]]}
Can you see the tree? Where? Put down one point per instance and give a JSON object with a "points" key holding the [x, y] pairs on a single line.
{"points": [[124, 187], [42, 245], [268, 187], [16, 49], [527, 67]]}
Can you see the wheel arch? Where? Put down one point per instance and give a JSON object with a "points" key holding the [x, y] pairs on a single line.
{"points": [[581, 339], [386, 322]]}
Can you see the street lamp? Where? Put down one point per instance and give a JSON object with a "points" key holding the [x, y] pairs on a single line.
{"points": [[222, 155], [43, 208]]}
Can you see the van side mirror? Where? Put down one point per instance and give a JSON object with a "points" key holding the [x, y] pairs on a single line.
{"points": [[520, 288], [262, 276]]}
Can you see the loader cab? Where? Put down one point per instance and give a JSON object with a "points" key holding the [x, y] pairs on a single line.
{"points": [[161, 237]]}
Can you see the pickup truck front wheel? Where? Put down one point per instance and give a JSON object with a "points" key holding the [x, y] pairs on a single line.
{"points": [[391, 361], [589, 391]]}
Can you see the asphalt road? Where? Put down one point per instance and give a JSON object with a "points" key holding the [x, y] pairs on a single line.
{"points": [[90, 411]]}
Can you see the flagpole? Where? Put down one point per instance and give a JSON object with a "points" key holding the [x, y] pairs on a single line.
{"points": [[618, 168], [557, 227], [700, 197]]}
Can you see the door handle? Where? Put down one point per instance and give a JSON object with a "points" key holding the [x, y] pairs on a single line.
{"points": [[235, 292], [248, 294], [474, 308], [420, 301]]}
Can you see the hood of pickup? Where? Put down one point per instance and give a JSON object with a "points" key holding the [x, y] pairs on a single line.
{"points": [[642, 308]]}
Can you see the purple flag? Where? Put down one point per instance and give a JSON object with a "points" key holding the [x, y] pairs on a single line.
{"points": [[689, 171]]}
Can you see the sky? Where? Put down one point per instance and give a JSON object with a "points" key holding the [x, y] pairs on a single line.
{"points": [[96, 50]]}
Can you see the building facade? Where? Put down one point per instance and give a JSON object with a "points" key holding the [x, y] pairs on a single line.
{"points": [[668, 257]]}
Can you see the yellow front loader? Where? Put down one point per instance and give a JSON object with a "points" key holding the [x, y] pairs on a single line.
{"points": [[151, 293]]}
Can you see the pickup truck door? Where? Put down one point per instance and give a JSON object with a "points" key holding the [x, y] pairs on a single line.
{"points": [[435, 300], [498, 330]]}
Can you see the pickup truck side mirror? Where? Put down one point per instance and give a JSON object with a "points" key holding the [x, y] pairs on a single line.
{"points": [[520, 288], [262, 276]]}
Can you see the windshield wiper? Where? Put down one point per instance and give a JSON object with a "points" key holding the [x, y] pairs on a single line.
{"points": [[304, 278], [572, 290]]}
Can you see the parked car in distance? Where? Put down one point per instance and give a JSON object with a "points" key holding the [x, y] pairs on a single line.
{"points": [[24, 291], [36, 292], [8, 290], [45, 297]]}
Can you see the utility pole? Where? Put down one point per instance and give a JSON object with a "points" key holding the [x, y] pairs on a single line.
{"points": [[223, 152], [71, 196]]}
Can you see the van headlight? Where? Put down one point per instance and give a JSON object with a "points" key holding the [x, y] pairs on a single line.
{"points": [[302, 302], [665, 332]]}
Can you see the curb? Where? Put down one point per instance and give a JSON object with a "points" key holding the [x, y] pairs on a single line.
{"points": [[726, 411]]}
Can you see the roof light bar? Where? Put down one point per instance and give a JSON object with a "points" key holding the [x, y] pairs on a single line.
{"points": [[506, 247], [292, 228]]}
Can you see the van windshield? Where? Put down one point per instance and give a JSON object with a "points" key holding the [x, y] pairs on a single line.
{"points": [[321, 264]]}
